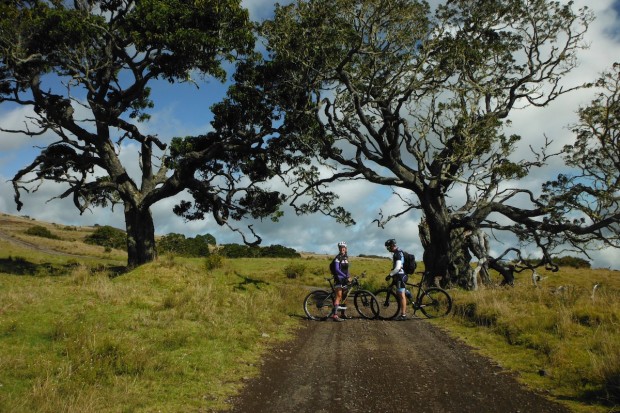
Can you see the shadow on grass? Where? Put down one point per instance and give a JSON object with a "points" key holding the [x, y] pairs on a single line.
{"points": [[248, 281], [21, 266]]}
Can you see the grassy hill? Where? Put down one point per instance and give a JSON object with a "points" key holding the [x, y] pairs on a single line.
{"points": [[77, 335]]}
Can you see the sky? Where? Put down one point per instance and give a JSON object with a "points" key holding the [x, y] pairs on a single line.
{"points": [[183, 110]]}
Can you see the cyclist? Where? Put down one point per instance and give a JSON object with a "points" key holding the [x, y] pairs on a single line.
{"points": [[398, 276], [340, 270]]}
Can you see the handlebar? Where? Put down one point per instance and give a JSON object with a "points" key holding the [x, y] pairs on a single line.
{"points": [[354, 280]]}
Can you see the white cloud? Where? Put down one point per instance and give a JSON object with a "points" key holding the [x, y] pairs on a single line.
{"points": [[14, 119]]}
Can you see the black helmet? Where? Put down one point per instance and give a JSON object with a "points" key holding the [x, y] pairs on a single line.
{"points": [[390, 243]]}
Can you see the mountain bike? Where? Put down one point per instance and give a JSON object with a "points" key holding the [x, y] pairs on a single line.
{"points": [[432, 301], [319, 304]]}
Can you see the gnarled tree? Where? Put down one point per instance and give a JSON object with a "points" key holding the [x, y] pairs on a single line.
{"points": [[418, 99], [86, 69]]}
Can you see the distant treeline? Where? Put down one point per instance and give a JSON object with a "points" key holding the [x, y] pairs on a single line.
{"points": [[198, 246], [567, 261], [373, 256], [204, 245], [243, 251]]}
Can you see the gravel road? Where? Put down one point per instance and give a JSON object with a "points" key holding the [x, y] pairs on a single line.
{"points": [[382, 366]]}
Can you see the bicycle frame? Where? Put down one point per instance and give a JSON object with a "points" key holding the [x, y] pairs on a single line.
{"points": [[318, 302], [432, 301], [410, 299], [345, 290]]}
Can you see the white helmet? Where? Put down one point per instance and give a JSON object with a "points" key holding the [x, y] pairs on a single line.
{"points": [[342, 244]]}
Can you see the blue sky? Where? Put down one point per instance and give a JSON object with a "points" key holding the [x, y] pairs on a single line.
{"points": [[183, 110]]}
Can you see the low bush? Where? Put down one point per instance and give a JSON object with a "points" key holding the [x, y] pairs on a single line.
{"points": [[213, 262], [108, 236], [40, 231], [294, 270]]}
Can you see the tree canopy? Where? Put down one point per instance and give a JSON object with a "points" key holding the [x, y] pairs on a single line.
{"points": [[417, 98], [86, 70], [197, 246]]}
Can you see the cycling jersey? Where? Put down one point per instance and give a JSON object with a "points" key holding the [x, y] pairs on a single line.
{"points": [[341, 269], [398, 259], [398, 274]]}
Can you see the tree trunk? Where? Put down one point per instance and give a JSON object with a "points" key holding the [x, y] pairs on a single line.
{"points": [[446, 254], [140, 236], [435, 239], [460, 270]]}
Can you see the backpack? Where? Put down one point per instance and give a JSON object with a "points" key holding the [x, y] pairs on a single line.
{"points": [[332, 267], [409, 265]]}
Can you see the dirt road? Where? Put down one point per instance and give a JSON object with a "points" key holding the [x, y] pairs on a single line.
{"points": [[382, 366], [29, 245]]}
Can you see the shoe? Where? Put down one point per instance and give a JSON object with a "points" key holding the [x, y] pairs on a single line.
{"points": [[336, 318], [344, 316], [401, 317]]}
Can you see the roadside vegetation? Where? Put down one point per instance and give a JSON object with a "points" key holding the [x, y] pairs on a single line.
{"points": [[183, 334], [562, 336]]}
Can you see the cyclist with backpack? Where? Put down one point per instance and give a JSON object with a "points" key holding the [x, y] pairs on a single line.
{"points": [[339, 268], [398, 275]]}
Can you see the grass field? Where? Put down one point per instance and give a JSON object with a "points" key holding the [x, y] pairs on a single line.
{"points": [[182, 335], [562, 336]]}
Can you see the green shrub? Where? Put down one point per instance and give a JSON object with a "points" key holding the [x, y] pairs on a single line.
{"points": [[108, 236], [213, 262], [39, 231], [567, 261], [278, 251], [239, 251], [171, 243], [185, 247], [244, 251], [574, 262], [294, 270]]}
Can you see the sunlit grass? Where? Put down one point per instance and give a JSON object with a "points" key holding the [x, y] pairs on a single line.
{"points": [[562, 336], [167, 337], [182, 334]]}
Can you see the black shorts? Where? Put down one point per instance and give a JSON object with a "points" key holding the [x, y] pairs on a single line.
{"points": [[400, 281], [342, 283]]}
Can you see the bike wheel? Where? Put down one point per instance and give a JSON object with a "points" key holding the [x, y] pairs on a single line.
{"points": [[318, 305], [435, 302], [366, 304], [389, 307]]}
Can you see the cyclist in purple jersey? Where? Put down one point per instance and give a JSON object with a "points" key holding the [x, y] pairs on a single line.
{"points": [[340, 270]]}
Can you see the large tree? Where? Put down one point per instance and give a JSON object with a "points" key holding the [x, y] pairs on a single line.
{"points": [[589, 192], [86, 69], [418, 99]]}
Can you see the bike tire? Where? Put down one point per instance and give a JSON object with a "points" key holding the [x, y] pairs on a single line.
{"points": [[318, 305], [389, 306], [435, 302], [366, 304]]}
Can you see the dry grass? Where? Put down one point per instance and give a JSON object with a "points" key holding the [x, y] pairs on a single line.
{"points": [[69, 244], [558, 336]]}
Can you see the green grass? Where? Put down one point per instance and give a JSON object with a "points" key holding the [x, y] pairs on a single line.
{"points": [[174, 335], [183, 334], [168, 336], [559, 337]]}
